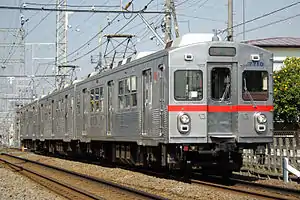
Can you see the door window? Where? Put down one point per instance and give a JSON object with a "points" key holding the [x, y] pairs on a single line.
{"points": [[220, 84]]}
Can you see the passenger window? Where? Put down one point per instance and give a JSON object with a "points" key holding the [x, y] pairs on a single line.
{"points": [[121, 94], [188, 85], [97, 99], [255, 85], [128, 92], [78, 104], [220, 84], [101, 99], [92, 99], [121, 87], [134, 90]]}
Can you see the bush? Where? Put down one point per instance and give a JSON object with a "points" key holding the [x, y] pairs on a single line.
{"points": [[287, 91]]}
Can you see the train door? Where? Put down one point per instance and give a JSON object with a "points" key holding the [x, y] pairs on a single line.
{"points": [[41, 119], [53, 118], [147, 102], [85, 108], [220, 100], [109, 107], [66, 115]]}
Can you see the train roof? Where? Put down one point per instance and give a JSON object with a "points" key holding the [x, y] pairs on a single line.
{"points": [[185, 40]]}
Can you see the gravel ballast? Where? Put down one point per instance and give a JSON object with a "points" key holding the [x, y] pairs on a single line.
{"points": [[168, 188], [14, 186]]}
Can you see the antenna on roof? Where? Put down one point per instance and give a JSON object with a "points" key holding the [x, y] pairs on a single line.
{"points": [[215, 37]]}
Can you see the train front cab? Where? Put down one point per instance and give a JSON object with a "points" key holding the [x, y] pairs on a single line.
{"points": [[218, 108], [239, 101]]}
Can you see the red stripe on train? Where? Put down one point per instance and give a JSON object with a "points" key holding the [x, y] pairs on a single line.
{"points": [[223, 108]]}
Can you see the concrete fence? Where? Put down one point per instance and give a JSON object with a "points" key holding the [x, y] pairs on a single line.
{"points": [[285, 144]]}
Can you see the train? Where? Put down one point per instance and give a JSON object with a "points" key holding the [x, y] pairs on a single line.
{"points": [[196, 104]]}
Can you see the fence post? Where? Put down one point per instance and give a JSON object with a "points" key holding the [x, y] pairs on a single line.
{"points": [[285, 170]]}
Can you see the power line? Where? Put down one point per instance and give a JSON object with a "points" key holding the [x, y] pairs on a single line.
{"points": [[79, 10], [262, 16], [34, 14], [74, 6], [202, 18], [135, 26], [92, 50], [269, 24], [43, 19], [95, 36], [12, 47], [23, 38], [183, 2], [200, 6]]}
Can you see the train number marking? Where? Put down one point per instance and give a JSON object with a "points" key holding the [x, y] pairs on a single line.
{"points": [[255, 64]]}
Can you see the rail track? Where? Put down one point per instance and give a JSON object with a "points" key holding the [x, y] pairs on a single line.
{"points": [[239, 184], [268, 175], [253, 189], [70, 184]]}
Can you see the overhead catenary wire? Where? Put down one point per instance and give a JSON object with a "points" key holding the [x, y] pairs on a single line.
{"points": [[197, 7], [92, 50], [43, 19], [269, 24], [76, 27], [73, 6], [92, 38], [95, 36], [79, 10], [10, 54], [183, 2], [202, 18], [262, 16], [35, 13], [23, 37]]}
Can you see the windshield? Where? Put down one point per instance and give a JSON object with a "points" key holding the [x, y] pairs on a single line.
{"points": [[188, 85], [256, 85]]}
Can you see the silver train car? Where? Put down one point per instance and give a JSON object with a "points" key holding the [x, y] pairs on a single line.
{"points": [[194, 104]]}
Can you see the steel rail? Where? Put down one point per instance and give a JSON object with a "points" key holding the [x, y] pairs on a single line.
{"points": [[95, 179], [73, 188], [253, 189]]}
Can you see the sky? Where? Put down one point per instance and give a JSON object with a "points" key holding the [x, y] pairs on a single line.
{"points": [[195, 16]]}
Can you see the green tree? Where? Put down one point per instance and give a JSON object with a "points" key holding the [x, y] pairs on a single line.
{"points": [[287, 91]]}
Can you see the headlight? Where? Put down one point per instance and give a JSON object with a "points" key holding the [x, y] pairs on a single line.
{"points": [[184, 119], [261, 118]]}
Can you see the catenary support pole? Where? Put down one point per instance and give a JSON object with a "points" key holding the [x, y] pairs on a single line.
{"points": [[168, 34], [230, 20]]}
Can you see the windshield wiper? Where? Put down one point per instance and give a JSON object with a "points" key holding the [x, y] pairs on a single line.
{"points": [[249, 94], [226, 89]]}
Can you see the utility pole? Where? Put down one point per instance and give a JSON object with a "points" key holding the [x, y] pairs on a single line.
{"points": [[167, 21], [61, 42], [99, 64], [244, 30], [230, 21], [176, 27]]}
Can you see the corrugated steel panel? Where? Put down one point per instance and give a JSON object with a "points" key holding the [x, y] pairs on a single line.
{"points": [[277, 41]]}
